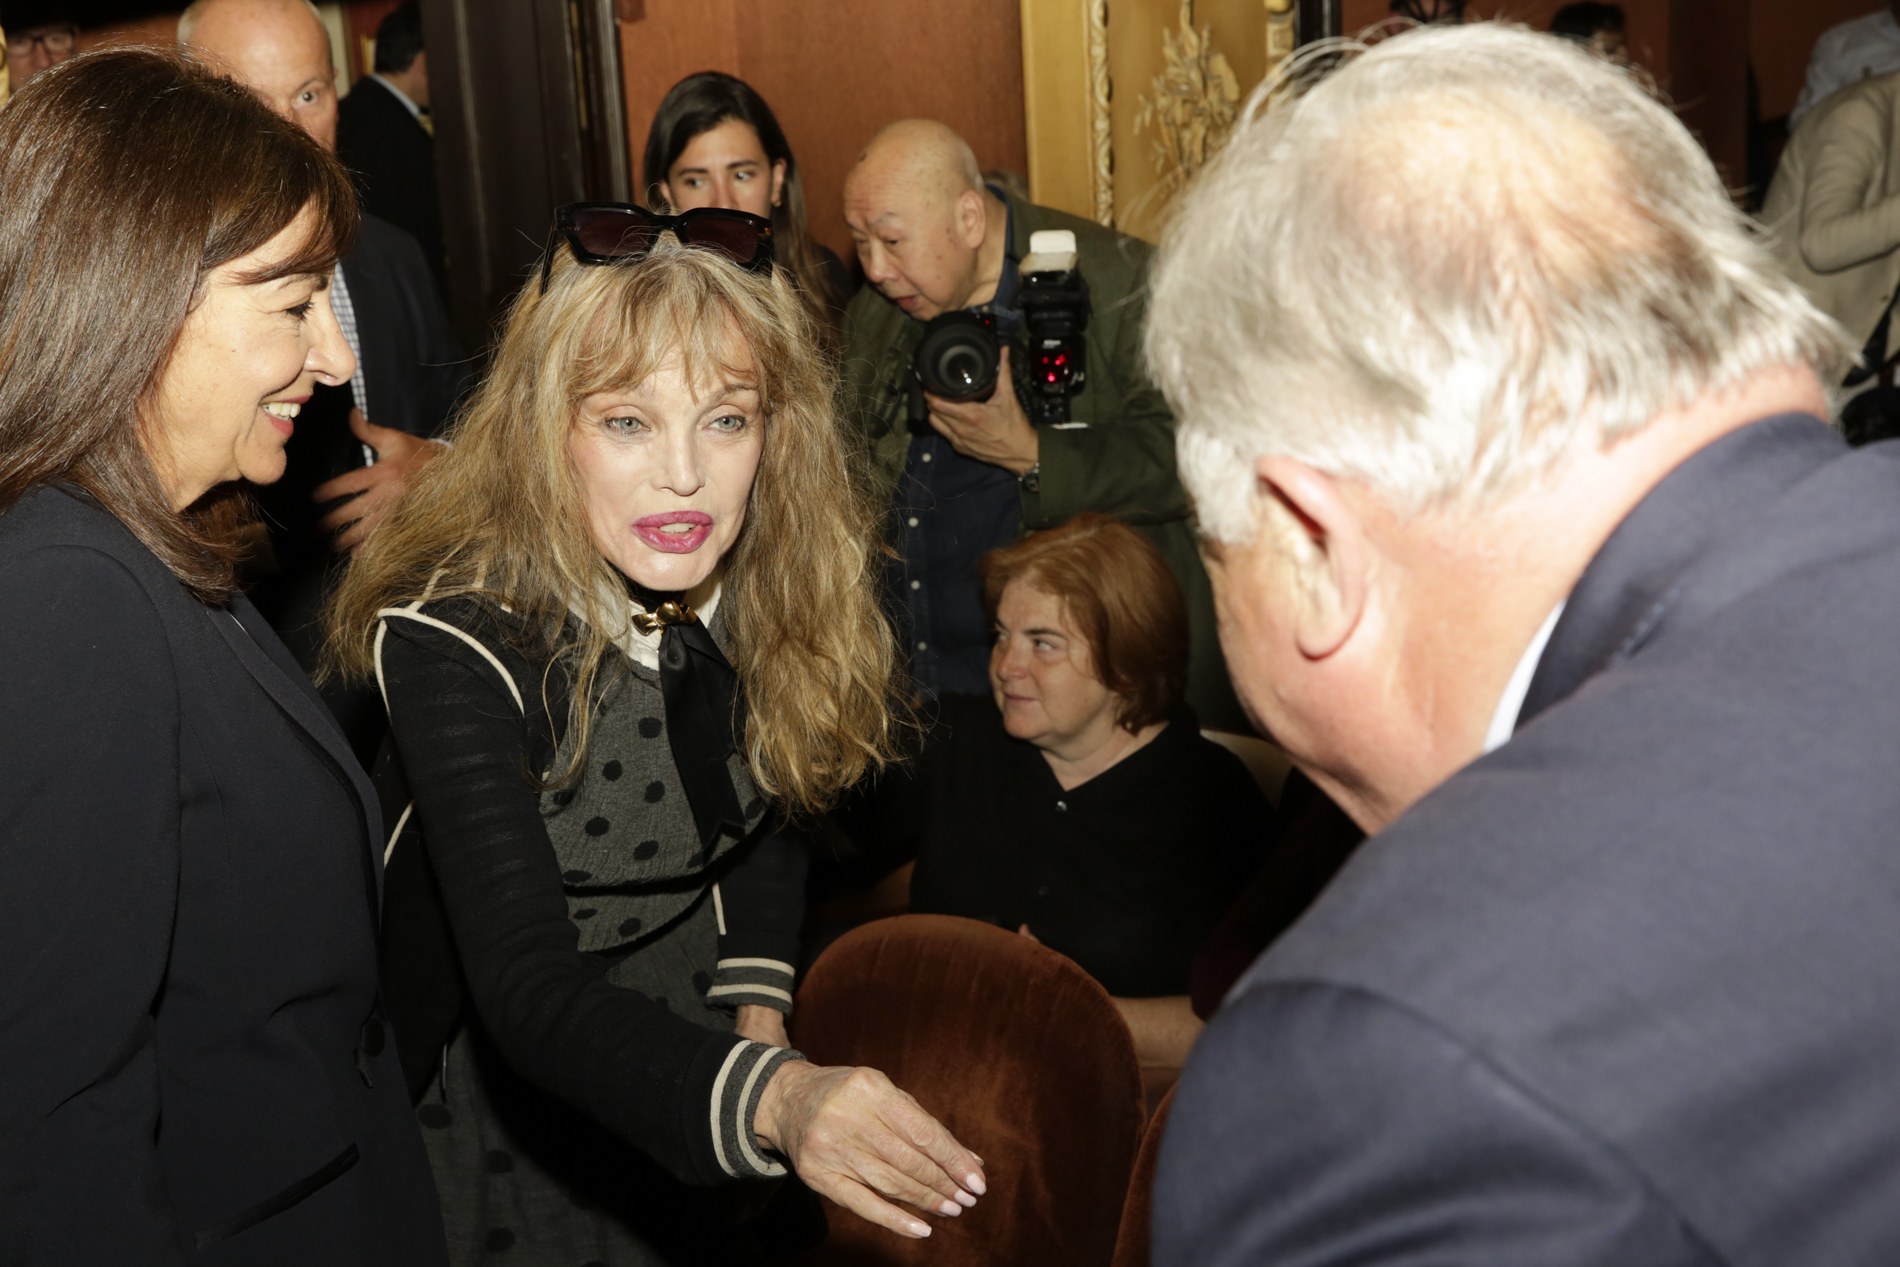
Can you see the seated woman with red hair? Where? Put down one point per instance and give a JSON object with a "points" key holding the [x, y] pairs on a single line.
{"points": [[1080, 804]]}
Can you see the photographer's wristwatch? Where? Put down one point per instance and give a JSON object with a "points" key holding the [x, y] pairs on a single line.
{"points": [[1031, 479]]}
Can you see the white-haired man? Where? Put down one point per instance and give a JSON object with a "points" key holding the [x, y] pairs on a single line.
{"points": [[1530, 543]]}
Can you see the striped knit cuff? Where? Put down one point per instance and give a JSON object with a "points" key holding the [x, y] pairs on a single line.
{"points": [[766, 982], [735, 1099]]}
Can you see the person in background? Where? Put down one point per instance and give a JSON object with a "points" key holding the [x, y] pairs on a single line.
{"points": [[1600, 27], [715, 143], [194, 1065], [1847, 54], [1534, 548], [625, 627], [39, 35], [934, 239], [360, 441], [1076, 801], [382, 136], [1833, 211]]}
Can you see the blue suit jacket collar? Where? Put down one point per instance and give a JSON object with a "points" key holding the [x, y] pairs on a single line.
{"points": [[1637, 579]]}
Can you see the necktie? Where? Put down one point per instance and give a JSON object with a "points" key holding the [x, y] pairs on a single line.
{"points": [[702, 709]]}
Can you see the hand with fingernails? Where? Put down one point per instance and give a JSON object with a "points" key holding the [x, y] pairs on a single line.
{"points": [[996, 430], [856, 1138]]}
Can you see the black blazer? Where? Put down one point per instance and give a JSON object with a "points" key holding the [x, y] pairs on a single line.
{"points": [[1623, 991], [412, 362], [192, 1064], [393, 157]]}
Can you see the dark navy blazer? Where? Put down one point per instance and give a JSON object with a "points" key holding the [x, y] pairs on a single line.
{"points": [[1627, 990], [192, 1063]]}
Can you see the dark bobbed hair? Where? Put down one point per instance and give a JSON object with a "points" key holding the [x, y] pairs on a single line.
{"points": [[399, 38], [1123, 599], [699, 103], [1583, 20], [126, 177]]}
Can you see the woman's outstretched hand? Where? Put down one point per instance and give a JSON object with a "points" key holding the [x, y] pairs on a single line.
{"points": [[854, 1137]]}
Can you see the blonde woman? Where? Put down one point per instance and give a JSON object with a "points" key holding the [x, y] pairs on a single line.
{"points": [[622, 628]]}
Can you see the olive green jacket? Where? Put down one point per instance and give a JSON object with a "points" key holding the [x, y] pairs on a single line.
{"points": [[1116, 455]]}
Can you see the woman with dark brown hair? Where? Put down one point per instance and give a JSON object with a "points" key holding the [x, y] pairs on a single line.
{"points": [[193, 1064], [1080, 804]]}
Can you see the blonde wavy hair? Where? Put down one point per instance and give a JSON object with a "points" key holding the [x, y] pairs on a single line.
{"points": [[501, 516]]}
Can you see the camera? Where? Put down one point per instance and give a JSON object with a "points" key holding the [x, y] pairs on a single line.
{"points": [[1055, 304], [959, 356]]}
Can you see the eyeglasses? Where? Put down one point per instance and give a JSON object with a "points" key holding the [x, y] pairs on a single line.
{"points": [[605, 232], [57, 43]]}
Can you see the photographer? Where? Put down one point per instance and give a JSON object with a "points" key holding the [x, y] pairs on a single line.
{"points": [[968, 476]]}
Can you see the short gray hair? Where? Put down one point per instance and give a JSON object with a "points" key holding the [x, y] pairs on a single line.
{"points": [[1445, 261]]}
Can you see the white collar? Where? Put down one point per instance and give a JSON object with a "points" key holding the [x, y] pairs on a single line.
{"points": [[415, 111], [1511, 703], [644, 649]]}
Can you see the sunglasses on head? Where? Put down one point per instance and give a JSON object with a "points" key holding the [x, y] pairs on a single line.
{"points": [[606, 232]]}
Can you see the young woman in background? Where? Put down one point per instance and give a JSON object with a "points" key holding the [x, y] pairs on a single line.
{"points": [[715, 143]]}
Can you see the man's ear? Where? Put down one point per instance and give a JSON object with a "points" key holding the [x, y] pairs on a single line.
{"points": [[972, 218], [1323, 541]]}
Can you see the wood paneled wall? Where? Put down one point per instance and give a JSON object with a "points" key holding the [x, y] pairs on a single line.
{"points": [[836, 72], [1781, 36]]}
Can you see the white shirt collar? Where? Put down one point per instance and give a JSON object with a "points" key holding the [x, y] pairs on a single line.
{"points": [[1504, 720], [415, 111], [644, 649]]}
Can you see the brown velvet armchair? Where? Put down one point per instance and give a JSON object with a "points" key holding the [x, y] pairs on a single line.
{"points": [[1014, 1048]]}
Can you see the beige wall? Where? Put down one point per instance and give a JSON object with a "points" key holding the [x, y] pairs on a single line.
{"points": [[836, 72]]}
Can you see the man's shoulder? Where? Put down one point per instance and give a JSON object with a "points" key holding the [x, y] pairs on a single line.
{"points": [[1099, 245], [1843, 38], [366, 96], [382, 246], [1870, 102], [371, 102], [1628, 913], [1088, 234]]}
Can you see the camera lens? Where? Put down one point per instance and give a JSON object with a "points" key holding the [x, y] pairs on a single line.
{"points": [[962, 368], [957, 357]]}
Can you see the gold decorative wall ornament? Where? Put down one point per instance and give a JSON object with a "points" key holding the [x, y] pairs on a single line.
{"points": [[1196, 98], [1101, 135]]}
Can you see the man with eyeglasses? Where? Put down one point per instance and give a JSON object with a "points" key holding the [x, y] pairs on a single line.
{"points": [[37, 37]]}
